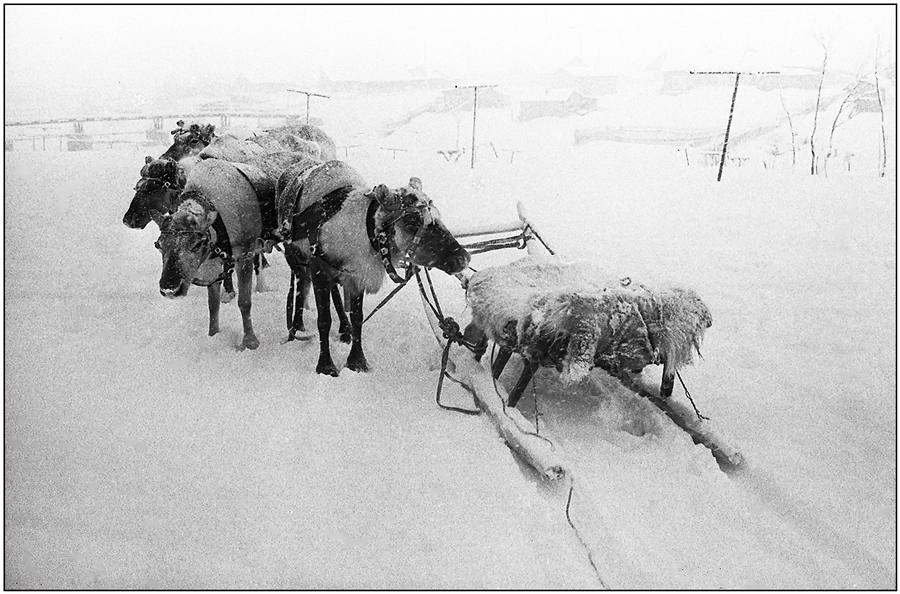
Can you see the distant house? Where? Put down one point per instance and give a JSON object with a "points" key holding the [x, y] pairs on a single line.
{"points": [[585, 80], [866, 99], [554, 103], [787, 78], [681, 72]]}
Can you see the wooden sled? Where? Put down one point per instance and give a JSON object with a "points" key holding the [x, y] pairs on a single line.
{"points": [[520, 434]]}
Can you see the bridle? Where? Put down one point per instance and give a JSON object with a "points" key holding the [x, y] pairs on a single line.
{"points": [[148, 184], [206, 244], [383, 239]]}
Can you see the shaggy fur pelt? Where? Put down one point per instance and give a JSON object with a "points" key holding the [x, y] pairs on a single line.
{"points": [[578, 316]]}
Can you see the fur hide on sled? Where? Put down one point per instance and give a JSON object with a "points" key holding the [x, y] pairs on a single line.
{"points": [[578, 316]]}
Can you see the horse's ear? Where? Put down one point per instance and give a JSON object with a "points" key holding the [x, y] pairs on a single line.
{"points": [[148, 159], [172, 166], [385, 196], [415, 183]]}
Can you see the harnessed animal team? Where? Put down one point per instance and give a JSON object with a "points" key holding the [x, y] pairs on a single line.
{"points": [[221, 202]]}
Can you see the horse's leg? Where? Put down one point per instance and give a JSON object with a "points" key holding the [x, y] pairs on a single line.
{"points": [[344, 329], [500, 362], [213, 292], [524, 380], [322, 289], [294, 305], [476, 336], [228, 285], [668, 382], [261, 286], [244, 267], [356, 361]]}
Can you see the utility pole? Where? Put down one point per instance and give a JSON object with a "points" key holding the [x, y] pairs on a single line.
{"points": [[737, 80], [307, 93], [474, 112]]}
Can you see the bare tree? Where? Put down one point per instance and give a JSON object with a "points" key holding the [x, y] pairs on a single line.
{"points": [[852, 95], [791, 125], [883, 165], [812, 136]]}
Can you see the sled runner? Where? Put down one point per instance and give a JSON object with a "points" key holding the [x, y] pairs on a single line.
{"points": [[572, 317]]}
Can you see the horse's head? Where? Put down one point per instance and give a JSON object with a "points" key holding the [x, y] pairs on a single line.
{"points": [[161, 181], [414, 225], [187, 142], [185, 243]]}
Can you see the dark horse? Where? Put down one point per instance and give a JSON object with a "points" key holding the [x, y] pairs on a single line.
{"points": [[355, 237], [162, 180]]}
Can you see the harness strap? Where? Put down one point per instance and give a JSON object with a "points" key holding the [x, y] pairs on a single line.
{"points": [[380, 242], [220, 246], [308, 223]]}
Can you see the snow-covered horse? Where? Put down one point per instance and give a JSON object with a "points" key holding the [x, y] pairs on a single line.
{"points": [[201, 140], [356, 236], [217, 219]]}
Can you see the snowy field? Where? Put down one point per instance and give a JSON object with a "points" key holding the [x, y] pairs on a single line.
{"points": [[140, 453]]}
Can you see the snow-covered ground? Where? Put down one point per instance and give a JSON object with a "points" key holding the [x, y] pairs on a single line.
{"points": [[140, 453]]}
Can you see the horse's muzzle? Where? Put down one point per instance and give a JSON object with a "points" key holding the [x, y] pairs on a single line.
{"points": [[455, 263], [180, 290], [134, 221]]}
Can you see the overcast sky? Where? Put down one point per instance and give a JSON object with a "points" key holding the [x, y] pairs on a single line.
{"points": [[63, 51]]}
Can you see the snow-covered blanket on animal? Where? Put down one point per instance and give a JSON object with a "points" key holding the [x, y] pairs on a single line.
{"points": [[242, 147], [233, 197], [263, 172], [301, 137], [233, 148], [578, 316], [307, 182]]}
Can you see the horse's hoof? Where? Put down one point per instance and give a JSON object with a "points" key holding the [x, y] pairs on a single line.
{"points": [[213, 331], [227, 297], [300, 334], [250, 342], [359, 365], [329, 369]]}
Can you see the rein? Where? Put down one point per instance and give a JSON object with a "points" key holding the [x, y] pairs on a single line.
{"points": [[450, 329]]}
